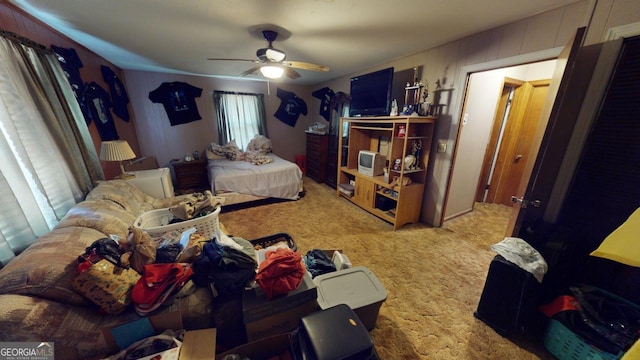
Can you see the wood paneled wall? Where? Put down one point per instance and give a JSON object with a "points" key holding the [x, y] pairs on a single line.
{"points": [[14, 20], [157, 137]]}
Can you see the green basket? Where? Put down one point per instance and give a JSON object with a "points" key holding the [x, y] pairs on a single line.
{"points": [[565, 345]]}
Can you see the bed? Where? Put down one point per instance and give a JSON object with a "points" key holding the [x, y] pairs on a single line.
{"points": [[242, 181]]}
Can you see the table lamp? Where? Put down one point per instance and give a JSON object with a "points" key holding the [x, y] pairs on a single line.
{"points": [[117, 150]]}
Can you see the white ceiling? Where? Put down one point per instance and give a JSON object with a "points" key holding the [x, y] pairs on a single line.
{"points": [[346, 35]]}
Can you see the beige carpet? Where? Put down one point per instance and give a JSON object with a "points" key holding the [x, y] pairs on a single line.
{"points": [[433, 276]]}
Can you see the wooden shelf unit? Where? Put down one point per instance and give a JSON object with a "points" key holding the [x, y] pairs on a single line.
{"points": [[391, 201]]}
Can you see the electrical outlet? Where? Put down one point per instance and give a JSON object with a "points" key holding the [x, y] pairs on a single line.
{"points": [[442, 147]]}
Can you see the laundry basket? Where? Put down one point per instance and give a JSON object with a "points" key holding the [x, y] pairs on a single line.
{"points": [[157, 222]]}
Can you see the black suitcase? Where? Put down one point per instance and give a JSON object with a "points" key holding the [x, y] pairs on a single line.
{"points": [[509, 299]]}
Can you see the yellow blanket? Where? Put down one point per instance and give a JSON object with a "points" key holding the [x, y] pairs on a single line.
{"points": [[623, 245]]}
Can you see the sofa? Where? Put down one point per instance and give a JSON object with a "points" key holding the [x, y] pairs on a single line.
{"points": [[37, 301]]}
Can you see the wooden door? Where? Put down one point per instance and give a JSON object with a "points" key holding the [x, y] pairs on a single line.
{"points": [[502, 110], [515, 147], [550, 140]]}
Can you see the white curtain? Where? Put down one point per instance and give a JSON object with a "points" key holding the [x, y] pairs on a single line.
{"points": [[240, 117], [37, 184]]}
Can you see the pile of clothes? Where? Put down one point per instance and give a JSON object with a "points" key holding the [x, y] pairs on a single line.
{"points": [[149, 272]]}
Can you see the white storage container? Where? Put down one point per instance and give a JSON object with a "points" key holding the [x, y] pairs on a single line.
{"points": [[340, 260], [357, 287]]}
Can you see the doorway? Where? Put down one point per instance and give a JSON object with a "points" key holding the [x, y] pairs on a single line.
{"points": [[480, 109], [517, 115]]}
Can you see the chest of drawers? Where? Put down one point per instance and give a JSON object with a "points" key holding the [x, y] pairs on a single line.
{"points": [[317, 155], [191, 176]]}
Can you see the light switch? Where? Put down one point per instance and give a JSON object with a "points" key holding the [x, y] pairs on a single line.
{"points": [[442, 147]]}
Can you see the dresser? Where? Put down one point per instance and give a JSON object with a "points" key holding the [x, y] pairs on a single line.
{"points": [[155, 182], [317, 155], [191, 176]]}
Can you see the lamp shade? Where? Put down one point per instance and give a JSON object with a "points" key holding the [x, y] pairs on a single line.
{"points": [[272, 71], [622, 244], [116, 150]]}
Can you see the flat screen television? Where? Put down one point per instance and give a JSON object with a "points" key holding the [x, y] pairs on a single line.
{"points": [[371, 93]]}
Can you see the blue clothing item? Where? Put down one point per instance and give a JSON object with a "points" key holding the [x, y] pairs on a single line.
{"points": [[179, 101], [71, 63], [119, 96], [290, 108], [96, 105], [325, 95], [213, 251], [318, 262]]}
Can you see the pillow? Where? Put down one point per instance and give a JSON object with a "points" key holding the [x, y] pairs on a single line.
{"points": [[230, 151], [105, 191], [213, 156], [47, 268], [260, 144], [101, 215]]}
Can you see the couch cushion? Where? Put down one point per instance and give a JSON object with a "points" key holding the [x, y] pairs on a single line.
{"points": [[105, 192], [47, 268], [123, 193], [101, 215], [76, 332]]}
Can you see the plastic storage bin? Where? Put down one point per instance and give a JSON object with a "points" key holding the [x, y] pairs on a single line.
{"points": [[565, 345], [156, 223], [357, 287], [267, 241]]}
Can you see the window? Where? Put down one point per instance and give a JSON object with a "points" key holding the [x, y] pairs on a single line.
{"points": [[239, 116], [42, 172]]}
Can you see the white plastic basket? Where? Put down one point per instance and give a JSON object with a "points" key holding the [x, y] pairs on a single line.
{"points": [[156, 223]]}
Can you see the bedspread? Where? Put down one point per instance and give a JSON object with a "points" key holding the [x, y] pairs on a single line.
{"points": [[279, 179]]}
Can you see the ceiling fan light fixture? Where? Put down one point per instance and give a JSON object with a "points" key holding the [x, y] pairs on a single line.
{"points": [[272, 71], [275, 55]]}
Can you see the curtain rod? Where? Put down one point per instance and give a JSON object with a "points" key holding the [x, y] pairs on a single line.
{"points": [[234, 92], [24, 41]]}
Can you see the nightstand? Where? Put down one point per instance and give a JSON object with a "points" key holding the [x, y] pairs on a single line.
{"points": [[156, 182], [191, 176]]}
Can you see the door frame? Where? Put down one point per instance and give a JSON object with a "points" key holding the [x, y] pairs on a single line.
{"points": [[463, 83]]}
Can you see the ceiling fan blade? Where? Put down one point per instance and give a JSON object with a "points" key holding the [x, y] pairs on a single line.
{"points": [[250, 71], [229, 59], [291, 74], [305, 66]]}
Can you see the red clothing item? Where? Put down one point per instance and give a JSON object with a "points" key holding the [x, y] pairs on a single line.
{"points": [[281, 272]]}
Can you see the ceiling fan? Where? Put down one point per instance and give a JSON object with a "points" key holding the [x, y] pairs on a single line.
{"points": [[271, 61]]}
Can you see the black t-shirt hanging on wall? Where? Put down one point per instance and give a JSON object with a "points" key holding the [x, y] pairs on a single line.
{"points": [[179, 102], [325, 95], [96, 106], [119, 96], [70, 63], [291, 106]]}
